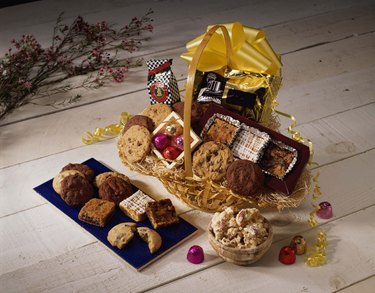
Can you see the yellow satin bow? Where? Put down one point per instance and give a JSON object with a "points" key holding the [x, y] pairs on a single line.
{"points": [[250, 51]]}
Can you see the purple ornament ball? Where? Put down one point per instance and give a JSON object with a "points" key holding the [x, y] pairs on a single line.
{"points": [[179, 142], [161, 141], [195, 254], [325, 210]]}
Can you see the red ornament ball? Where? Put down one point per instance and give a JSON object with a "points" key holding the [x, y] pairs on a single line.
{"points": [[287, 255], [171, 153]]}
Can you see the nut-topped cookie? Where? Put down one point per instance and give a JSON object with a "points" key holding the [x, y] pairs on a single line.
{"points": [[211, 160], [135, 144], [157, 112]]}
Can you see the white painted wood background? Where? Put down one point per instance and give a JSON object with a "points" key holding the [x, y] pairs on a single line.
{"points": [[328, 50]]}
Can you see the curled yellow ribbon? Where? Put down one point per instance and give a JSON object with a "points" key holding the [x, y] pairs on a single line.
{"points": [[316, 255], [107, 132], [250, 51]]}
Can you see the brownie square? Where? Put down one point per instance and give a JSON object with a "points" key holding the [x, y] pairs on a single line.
{"points": [[278, 159], [97, 212], [161, 213], [221, 131]]}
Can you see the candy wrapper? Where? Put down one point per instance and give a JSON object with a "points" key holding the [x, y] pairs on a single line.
{"points": [[162, 84], [248, 85]]}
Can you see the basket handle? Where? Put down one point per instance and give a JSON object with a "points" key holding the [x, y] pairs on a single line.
{"points": [[190, 84]]}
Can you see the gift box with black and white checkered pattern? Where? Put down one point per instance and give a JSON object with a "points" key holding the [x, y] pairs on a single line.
{"points": [[162, 84]]}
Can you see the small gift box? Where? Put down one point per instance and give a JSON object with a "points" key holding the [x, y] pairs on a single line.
{"points": [[162, 84], [246, 79], [168, 140]]}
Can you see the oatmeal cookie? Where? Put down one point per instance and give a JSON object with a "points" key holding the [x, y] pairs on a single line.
{"points": [[157, 112], [211, 160]]}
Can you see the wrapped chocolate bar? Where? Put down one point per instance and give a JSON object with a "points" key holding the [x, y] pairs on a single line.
{"points": [[221, 128], [278, 159], [162, 84], [250, 143], [211, 88]]}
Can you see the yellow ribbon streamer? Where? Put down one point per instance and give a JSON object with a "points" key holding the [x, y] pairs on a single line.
{"points": [[107, 132], [250, 51], [316, 255]]}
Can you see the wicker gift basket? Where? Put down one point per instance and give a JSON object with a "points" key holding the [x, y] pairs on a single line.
{"points": [[201, 193]]}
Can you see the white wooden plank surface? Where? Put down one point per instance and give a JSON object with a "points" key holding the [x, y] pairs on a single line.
{"points": [[285, 37], [342, 269], [328, 49], [102, 113], [286, 224]]}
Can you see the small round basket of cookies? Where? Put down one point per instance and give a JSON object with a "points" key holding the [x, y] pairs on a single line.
{"points": [[241, 237]]}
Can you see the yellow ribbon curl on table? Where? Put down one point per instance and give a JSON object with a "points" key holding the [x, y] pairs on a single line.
{"points": [[107, 132], [250, 51], [316, 254]]}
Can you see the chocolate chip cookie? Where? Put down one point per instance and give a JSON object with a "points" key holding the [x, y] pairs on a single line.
{"points": [[135, 144], [121, 234], [244, 177], [211, 160], [115, 189]]}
